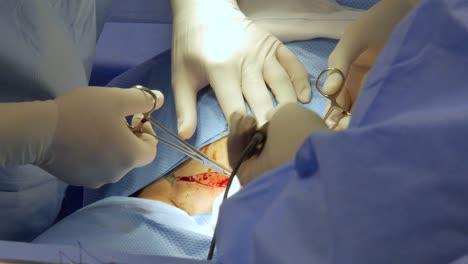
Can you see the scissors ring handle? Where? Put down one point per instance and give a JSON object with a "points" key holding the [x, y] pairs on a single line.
{"points": [[329, 70], [139, 127], [153, 95]]}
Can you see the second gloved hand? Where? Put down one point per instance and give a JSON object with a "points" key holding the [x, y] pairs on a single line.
{"points": [[289, 126], [214, 43], [358, 50], [92, 144]]}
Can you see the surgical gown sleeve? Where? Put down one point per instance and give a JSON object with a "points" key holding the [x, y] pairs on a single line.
{"points": [[391, 188], [46, 49]]}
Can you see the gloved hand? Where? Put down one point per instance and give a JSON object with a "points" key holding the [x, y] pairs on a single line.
{"points": [[213, 42], [289, 126], [358, 50], [81, 137], [92, 143]]}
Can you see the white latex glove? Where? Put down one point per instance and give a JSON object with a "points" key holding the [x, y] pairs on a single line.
{"points": [[358, 50], [213, 42], [81, 137], [289, 126]]}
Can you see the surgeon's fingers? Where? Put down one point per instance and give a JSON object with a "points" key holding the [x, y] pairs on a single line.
{"points": [[256, 93], [296, 71], [227, 87], [336, 115], [242, 129], [133, 150], [357, 76], [341, 58], [142, 147], [357, 81], [136, 149], [147, 133], [135, 101], [146, 128], [278, 81], [343, 123], [185, 97]]}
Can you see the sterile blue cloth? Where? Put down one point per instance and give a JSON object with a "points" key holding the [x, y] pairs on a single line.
{"points": [[147, 27], [156, 74], [136, 226], [46, 48], [391, 188], [139, 226], [99, 226]]}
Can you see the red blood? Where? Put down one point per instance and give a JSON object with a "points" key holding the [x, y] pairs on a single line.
{"points": [[209, 179]]}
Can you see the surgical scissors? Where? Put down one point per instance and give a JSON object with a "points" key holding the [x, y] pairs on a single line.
{"points": [[332, 96], [184, 147]]}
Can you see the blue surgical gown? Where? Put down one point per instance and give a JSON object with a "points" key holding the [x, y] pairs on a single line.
{"points": [[390, 189], [46, 49]]}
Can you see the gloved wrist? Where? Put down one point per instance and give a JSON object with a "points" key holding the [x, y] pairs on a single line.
{"points": [[50, 117], [27, 132]]}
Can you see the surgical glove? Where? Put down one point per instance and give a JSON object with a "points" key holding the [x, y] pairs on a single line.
{"points": [[289, 126], [358, 50], [92, 143], [213, 42], [81, 137]]}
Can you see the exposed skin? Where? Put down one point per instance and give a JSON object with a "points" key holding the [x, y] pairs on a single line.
{"points": [[194, 198]]}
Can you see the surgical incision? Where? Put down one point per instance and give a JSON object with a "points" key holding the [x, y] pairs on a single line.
{"points": [[192, 186], [209, 179]]}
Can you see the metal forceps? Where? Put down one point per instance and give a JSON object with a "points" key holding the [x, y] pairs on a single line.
{"points": [[332, 97], [182, 145]]}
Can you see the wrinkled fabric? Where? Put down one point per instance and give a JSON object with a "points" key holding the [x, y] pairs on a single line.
{"points": [[173, 241], [136, 226], [304, 19], [156, 74], [299, 19], [391, 188], [30, 199], [86, 225], [47, 49]]}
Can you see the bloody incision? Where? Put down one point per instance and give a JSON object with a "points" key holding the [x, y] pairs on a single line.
{"points": [[209, 179]]}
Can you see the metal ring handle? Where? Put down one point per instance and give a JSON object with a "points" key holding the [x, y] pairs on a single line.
{"points": [[331, 70], [146, 115], [153, 95]]}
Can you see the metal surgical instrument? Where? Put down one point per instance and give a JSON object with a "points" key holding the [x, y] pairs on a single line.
{"points": [[182, 145], [332, 96]]}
